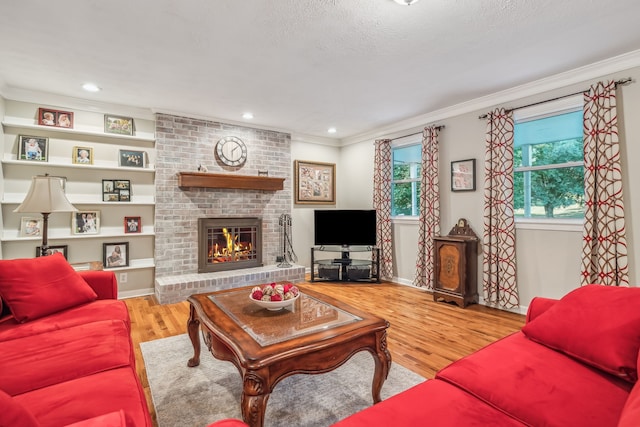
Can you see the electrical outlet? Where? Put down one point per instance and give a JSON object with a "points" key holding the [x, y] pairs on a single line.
{"points": [[123, 278]]}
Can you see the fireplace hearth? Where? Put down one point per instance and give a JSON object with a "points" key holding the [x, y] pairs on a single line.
{"points": [[229, 244]]}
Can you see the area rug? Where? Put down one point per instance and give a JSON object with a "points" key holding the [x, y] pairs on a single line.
{"points": [[184, 396]]}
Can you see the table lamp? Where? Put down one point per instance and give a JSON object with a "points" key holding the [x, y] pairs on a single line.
{"points": [[45, 196]]}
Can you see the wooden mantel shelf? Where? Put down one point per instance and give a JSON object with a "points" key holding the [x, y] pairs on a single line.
{"points": [[219, 180]]}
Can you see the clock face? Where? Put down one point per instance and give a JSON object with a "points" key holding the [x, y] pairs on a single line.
{"points": [[231, 151]]}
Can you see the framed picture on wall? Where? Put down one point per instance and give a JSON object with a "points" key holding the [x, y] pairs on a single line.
{"points": [[85, 222], [115, 254], [118, 124], [463, 175], [132, 159], [56, 118], [82, 155], [116, 190], [30, 226], [33, 148], [53, 250], [132, 224], [315, 183]]}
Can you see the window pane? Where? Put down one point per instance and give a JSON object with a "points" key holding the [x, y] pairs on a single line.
{"points": [[402, 201], [552, 193]]}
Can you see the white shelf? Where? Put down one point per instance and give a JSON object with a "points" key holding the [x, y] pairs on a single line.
{"points": [[61, 234], [134, 264], [84, 199], [27, 124], [61, 163]]}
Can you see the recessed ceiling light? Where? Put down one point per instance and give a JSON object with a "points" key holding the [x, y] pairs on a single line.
{"points": [[406, 2], [90, 87], [247, 116], [332, 130]]}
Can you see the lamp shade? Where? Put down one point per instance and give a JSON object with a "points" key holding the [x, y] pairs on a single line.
{"points": [[45, 196]]}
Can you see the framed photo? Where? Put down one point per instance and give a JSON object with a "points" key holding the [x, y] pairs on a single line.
{"points": [[116, 190], [82, 155], [33, 148], [53, 250], [30, 226], [118, 124], [132, 224], [315, 183], [115, 254], [132, 159], [463, 175], [85, 222], [56, 118]]}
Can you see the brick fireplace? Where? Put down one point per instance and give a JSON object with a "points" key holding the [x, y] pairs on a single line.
{"points": [[182, 144]]}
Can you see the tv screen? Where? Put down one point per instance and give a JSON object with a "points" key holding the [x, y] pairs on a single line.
{"points": [[345, 227]]}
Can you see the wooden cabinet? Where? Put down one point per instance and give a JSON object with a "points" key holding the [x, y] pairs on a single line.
{"points": [[455, 266]]}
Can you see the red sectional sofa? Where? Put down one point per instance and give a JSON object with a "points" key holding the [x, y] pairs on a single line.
{"points": [[66, 356], [574, 363]]}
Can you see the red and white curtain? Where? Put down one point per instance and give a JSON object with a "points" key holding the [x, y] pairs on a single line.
{"points": [[604, 245], [382, 204], [429, 222], [499, 235]]}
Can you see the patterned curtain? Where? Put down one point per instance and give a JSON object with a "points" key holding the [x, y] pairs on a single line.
{"points": [[429, 225], [604, 246], [499, 236], [382, 205]]}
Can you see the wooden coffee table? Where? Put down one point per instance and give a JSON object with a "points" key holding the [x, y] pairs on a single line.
{"points": [[315, 335]]}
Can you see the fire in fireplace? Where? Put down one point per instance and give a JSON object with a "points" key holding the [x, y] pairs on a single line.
{"points": [[229, 244]]}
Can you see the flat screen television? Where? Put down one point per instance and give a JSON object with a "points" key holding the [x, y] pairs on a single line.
{"points": [[344, 227]]}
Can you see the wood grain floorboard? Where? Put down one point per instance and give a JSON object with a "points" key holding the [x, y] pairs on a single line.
{"points": [[424, 336]]}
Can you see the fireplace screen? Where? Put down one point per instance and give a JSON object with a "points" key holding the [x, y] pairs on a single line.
{"points": [[229, 243]]}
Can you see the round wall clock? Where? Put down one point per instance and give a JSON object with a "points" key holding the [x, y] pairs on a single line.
{"points": [[232, 151]]}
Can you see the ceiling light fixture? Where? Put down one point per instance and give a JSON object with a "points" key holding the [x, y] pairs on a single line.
{"points": [[247, 116], [90, 87], [406, 2], [332, 130]]}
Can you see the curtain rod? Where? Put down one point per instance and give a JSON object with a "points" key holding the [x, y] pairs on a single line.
{"points": [[416, 133], [508, 110]]}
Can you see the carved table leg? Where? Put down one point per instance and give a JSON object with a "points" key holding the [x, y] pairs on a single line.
{"points": [[193, 327], [254, 400], [382, 359]]}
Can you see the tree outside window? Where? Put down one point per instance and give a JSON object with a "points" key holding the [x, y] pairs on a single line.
{"points": [[405, 181]]}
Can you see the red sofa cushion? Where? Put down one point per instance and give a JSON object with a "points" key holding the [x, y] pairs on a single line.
{"points": [[39, 361], [13, 413], [631, 412], [431, 403], [112, 419], [94, 311], [599, 325], [538, 385], [87, 397], [36, 287]]}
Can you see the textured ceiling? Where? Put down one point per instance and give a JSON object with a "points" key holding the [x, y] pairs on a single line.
{"points": [[303, 66]]}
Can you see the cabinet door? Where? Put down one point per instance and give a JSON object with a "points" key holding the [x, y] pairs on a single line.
{"points": [[450, 266]]}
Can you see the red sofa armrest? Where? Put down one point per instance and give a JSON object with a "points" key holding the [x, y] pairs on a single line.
{"points": [[229, 422], [538, 306], [104, 283]]}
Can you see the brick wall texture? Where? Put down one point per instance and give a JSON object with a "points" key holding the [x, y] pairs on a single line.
{"points": [[182, 144]]}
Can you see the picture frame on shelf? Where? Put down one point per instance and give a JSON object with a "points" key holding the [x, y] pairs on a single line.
{"points": [[118, 125], [132, 224], [33, 148], [132, 159], [55, 118], [30, 226], [82, 155], [115, 255], [116, 190], [463, 175], [315, 183], [63, 249], [85, 222]]}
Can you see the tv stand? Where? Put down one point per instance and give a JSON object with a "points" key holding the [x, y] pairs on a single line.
{"points": [[345, 268]]}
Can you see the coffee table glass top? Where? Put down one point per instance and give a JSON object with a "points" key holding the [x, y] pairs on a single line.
{"points": [[305, 316]]}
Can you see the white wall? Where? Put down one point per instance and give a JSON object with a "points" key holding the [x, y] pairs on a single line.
{"points": [[548, 261]]}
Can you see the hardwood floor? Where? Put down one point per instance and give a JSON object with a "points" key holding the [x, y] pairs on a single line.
{"points": [[424, 335]]}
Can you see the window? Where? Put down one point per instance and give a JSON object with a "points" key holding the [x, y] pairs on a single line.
{"points": [[405, 180], [548, 164]]}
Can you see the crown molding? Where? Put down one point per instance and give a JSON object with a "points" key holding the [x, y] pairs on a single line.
{"points": [[68, 102], [615, 64]]}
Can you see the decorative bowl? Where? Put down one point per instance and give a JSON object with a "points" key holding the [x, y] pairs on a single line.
{"points": [[275, 305]]}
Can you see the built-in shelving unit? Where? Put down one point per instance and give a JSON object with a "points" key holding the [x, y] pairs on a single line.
{"points": [[83, 186]]}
